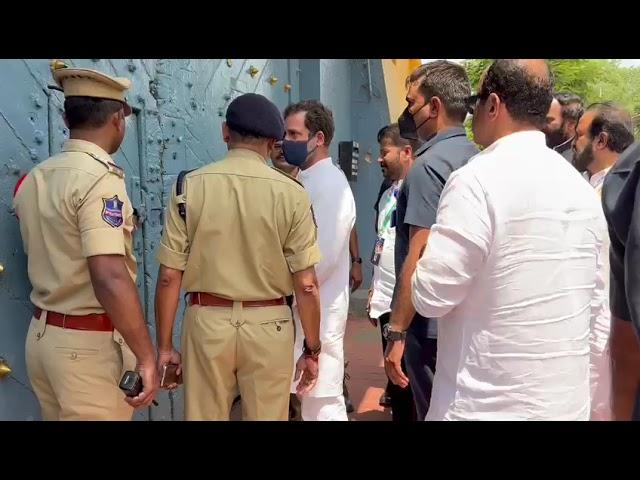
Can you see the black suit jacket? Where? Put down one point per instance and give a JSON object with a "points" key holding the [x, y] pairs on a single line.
{"points": [[621, 203]]}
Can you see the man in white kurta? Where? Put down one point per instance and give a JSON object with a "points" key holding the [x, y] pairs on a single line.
{"points": [[513, 267], [311, 123]]}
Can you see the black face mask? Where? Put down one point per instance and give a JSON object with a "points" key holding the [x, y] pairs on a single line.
{"points": [[407, 124]]}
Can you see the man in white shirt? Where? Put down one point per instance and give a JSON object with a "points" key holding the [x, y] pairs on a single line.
{"points": [[309, 130], [396, 158], [513, 267], [603, 133]]}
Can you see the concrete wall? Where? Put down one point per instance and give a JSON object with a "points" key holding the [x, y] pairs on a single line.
{"points": [[179, 105]]}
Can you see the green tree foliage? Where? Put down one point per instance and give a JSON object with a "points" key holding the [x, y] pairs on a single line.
{"points": [[592, 80]]}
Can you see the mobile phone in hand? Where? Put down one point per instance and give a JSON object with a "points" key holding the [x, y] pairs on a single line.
{"points": [[169, 375]]}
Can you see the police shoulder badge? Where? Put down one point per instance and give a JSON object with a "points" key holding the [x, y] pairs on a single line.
{"points": [[112, 211]]}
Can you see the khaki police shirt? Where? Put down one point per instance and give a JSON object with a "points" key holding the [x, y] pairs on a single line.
{"points": [[69, 209], [248, 228]]}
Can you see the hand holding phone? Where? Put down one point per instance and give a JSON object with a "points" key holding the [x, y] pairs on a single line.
{"points": [[170, 376]]}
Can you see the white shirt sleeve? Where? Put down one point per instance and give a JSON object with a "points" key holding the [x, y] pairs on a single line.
{"points": [[457, 248], [334, 229], [600, 378]]}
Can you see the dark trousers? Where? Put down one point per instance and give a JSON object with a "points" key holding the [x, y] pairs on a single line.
{"points": [[402, 404], [420, 357]]}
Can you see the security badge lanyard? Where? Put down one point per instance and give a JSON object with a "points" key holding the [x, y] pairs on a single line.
{"points": [[388, 223]]}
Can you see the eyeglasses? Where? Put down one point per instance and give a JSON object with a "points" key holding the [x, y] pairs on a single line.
{"points": [[471, 102]]}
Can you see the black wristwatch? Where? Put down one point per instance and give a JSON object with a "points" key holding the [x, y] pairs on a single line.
{"points": [[393, 335], [356, 260], [315, 353]]}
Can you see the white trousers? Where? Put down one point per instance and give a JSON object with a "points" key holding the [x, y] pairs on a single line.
{"points": [[324, 409]]}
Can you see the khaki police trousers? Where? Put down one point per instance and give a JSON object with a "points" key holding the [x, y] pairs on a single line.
{"points": [[75, 373], [226, 350]]}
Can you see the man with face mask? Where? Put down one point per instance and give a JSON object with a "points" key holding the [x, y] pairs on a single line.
{"points": [[436, 94], [76, 222], [309, 130], [355, 274], [603, 133], [243, 240], [562, 118]]}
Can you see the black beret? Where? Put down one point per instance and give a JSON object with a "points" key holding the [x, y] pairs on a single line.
{"points": [[257, 115]]}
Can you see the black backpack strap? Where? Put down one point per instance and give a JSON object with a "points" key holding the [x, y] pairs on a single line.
{"points": [[182, 204]]}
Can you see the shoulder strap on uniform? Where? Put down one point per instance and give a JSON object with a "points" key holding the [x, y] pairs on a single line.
{"points": [[182, 203], [288, 176], [112, 167]]}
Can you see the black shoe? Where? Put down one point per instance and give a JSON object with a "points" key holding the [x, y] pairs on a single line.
{"points": [[385, 400]]}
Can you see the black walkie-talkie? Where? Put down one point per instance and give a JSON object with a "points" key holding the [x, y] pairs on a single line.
{"points": [[131, 384]]}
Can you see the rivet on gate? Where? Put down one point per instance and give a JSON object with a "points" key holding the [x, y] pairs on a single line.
{"points": [[229, 62], [273, 80], [253, 71], [287, 87]]}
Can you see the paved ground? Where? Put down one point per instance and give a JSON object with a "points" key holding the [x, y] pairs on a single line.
{"points": [[363, 351]]}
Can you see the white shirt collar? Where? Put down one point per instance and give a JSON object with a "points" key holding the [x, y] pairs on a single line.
{"points": [[597, 178], [309, 171], [524, 136]]}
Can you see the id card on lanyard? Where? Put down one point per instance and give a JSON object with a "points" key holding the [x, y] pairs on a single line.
{"points": [[388, 222]]}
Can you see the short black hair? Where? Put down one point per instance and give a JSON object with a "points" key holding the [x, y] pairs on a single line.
{"points": [[527, 96], [572, 106], [392, 132], [615, 121], [318, 118], [446, 80], [89, 112]]}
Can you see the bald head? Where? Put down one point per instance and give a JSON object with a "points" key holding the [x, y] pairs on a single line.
{"points": [[524, 86], [536, 68]]}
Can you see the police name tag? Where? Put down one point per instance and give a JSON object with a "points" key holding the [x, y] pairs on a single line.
{"points": [[377, 251]]}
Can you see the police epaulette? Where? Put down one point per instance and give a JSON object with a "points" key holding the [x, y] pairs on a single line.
{"points": [[288, 176], [112, 167], [182, 204]]}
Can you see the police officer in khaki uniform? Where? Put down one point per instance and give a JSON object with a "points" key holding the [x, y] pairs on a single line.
{"points": [[238, 237], [76, 225]]}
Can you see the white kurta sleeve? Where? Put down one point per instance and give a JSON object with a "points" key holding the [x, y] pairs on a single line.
{"points": [[457, 248], [599, 342], [334, 229]]}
